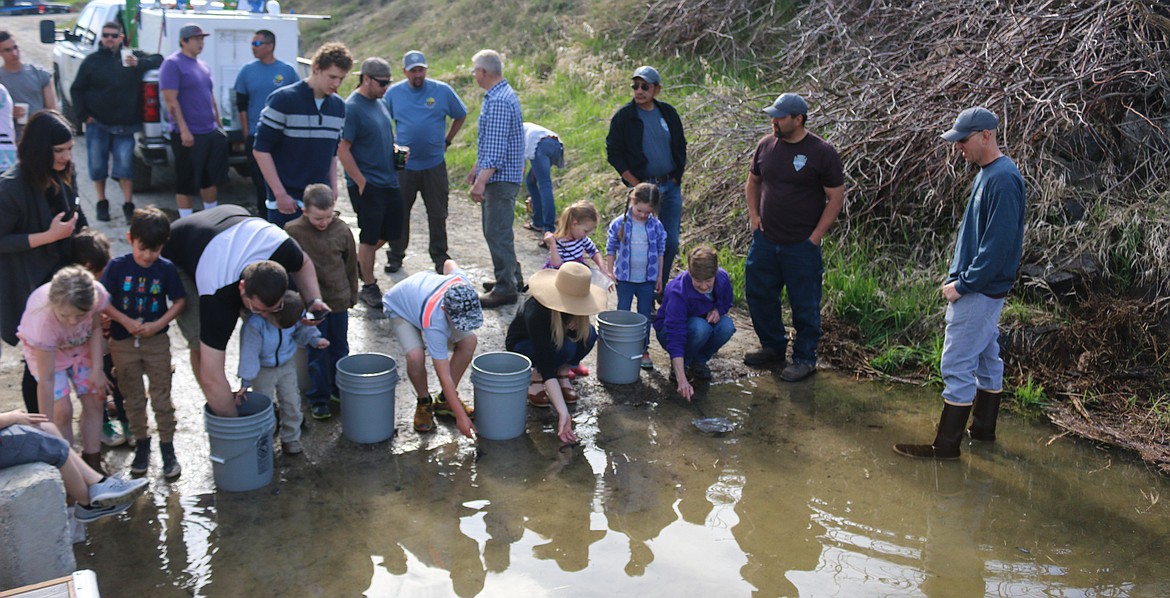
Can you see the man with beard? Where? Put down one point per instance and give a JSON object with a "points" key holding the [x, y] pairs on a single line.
{"points": [[795, 190]]}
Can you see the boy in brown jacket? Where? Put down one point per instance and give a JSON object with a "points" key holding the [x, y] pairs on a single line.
{"points": [[328, 241]]}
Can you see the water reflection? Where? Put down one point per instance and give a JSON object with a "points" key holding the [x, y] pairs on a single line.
{"points": [[804, 498]]}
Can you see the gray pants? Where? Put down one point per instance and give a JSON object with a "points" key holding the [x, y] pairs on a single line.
{"points": [[499, 200], [280, 383]]}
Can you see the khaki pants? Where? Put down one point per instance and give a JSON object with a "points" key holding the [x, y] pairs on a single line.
{"points": [[152, 357]]}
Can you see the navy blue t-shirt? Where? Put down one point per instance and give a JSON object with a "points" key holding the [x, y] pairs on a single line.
{"points": [[141, 293]]}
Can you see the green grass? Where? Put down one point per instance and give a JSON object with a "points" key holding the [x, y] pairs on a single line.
{"points": [[1030, 396], [886, 302]]}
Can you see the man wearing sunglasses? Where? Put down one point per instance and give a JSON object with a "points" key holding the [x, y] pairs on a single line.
{"points": [[26, 83], [255, 81], [983, 270], [367, 155], [646, 145], [107, 98]]}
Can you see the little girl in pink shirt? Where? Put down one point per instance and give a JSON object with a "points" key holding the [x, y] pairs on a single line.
{"points": [[59, 345]]}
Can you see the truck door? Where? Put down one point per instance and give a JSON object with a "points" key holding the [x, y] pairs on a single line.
{"points": [[233, 50], [69, 54]]}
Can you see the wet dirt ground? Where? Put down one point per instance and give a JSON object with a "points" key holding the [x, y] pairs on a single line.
{"points": [[803, 498]]}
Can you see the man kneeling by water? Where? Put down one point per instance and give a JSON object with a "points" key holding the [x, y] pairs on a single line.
{"points": [[440, 311]]}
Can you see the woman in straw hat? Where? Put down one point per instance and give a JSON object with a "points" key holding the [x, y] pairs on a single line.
{"points": [[554, 331]]}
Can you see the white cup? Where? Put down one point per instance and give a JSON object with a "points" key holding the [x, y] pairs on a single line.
{"points": [[127, 53], [23, 120]]}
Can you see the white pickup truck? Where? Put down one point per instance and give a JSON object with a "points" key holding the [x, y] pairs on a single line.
{"points": [[156, 31]]}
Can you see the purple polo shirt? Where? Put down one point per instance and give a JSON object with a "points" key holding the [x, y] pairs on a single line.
{"points": [[192, 79]]}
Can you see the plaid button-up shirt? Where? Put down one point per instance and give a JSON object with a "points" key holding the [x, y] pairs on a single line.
{"points": [[501, 135]]}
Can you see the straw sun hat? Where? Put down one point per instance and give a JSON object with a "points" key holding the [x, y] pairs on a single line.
{"points": [[568, 290]]}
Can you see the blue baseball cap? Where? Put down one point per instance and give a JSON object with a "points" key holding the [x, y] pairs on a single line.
{"points": [[414, 58], [971, 120], [788, 104]]}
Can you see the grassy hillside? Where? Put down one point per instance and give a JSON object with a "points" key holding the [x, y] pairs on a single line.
{"points": [[1082, 93]]}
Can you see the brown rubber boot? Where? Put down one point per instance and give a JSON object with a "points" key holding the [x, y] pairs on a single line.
{"points": [[94, 461], [983, 416], [951, 425]]}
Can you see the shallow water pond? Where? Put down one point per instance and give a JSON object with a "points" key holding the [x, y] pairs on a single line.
{"points": [[804, 498]]}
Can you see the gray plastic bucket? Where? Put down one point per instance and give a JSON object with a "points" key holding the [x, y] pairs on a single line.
{"points": [[367, 381], [501, 381], [621, 339], [241, 447]]}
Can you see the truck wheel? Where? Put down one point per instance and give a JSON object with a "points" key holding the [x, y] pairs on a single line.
{"points": [[143, 174]]}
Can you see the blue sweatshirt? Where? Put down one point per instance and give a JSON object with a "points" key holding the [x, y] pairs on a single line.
{"points": [[264, 345], [680, 302], [991, 237]]}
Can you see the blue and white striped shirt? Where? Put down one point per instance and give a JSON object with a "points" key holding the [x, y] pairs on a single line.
{"points": [[301, 137], [501, 135]]}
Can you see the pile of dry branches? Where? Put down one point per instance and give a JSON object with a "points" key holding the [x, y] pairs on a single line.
{"points": [[1084, 107]]}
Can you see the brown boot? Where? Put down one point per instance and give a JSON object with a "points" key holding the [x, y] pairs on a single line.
{"points": [[983, 416], [951, 424], [94, 461]]}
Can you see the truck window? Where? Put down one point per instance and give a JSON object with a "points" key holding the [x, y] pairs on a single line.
{"points": [[85, 28]]}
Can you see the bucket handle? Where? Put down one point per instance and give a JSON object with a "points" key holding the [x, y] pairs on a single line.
{"points": [[610, 347], [224, 460]]}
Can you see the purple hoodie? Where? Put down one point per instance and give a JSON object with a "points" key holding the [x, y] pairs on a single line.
{"points": [[680, 301]]}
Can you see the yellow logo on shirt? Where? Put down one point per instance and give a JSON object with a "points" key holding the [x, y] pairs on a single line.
{"points": [[430, 102], [278, 80]]}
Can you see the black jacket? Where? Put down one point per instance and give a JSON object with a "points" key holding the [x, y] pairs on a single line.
{"points": [[623, 145], [23, 211], [108, 91]]}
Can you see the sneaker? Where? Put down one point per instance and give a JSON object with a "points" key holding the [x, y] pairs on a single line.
{"points": [[103, 210], [141, 457], [171, 467], [797, 372], [90, 514], [128, 211], [580, 370], [371, 295], [765, 356], [114, 490], [392, 267], [647, 363], [424, 420], [292, 447], [112, 434], [320, 411], [700, 371], [439, 406]]}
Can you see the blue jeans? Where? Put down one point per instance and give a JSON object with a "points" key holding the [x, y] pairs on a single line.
{"points": [[970, 357], [323, 362], [549, 152], [103, 143], [670, 214], [771, 269], [570, 353], [703, 338], [644, 291], [279, 219], [499, 198]]}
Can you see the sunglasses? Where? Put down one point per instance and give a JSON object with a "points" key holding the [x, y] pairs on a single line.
{"points": [[968, 138], [382, 82], [262, 310], [111, 35], [642, 86], [258, 44]]}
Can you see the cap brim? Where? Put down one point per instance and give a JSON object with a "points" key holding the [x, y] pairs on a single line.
{"points": [[954, 135], [773, 112]]}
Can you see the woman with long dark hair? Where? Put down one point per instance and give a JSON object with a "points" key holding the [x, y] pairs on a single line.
{"points": [[39, 214]]}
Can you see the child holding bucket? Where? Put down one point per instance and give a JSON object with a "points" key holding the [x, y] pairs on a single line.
{"points": [[692, 323], [328, 241], [60, 335], [634, 251], [553, 329], [268, 345], [441, 313]]}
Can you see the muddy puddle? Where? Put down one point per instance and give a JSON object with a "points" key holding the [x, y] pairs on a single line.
{"points": [[803, 498]]}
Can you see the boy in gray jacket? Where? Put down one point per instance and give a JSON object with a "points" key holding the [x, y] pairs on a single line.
{"points": [[268, 346]]}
